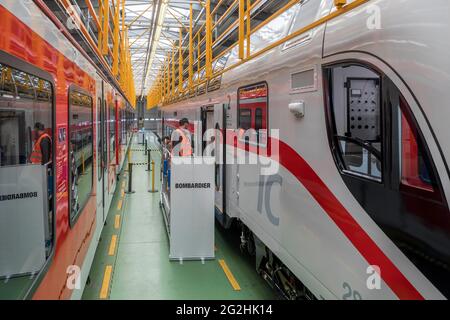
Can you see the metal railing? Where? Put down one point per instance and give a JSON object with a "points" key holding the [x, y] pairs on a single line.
{"points": [[111, 45], [202, 50]]}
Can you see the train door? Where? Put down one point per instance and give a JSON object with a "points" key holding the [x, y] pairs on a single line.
{"points": [[219, 124], [100, 154], [252, 142], [27, 174], [112, 146], [108, 146], [385, 161], [207, 119]]}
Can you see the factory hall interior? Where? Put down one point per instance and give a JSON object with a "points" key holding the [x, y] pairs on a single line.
{"points": [[246, 153]]}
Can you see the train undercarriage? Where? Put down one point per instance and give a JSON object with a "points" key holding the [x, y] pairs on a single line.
{"points": [[272, 269]]}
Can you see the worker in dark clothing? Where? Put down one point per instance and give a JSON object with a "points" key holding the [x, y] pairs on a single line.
{"points": [[42, 149]]}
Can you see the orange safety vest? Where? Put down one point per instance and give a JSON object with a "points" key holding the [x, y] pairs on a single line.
{"points": [[36, 154], [185, 148]]}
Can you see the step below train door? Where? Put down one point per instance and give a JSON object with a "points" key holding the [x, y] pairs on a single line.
{"points": [[219, 138]]}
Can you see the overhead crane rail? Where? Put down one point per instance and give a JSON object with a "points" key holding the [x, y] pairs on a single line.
{"points": [[199, 57]]}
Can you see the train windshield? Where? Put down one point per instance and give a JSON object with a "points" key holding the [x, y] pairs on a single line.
{"points": [[357, 115], [386, 164]]}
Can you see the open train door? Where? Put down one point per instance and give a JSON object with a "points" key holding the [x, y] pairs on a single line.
{"points": [[220, 111]]}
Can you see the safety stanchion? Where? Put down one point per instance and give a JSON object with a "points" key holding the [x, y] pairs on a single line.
{"points": [[146, 147], [130, 178], [82, 162], [153, 190], [149, 160]]}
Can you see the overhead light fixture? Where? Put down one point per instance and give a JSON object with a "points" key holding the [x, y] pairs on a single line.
{"points": [[155, 40]]}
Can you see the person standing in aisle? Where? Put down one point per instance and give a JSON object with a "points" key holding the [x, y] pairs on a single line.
{"points": [[182, 139]]}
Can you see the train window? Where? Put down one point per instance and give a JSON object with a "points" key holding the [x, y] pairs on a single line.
{"points": [[356, 111], [104, 135], [245, 119], [252, 111], [415, 165], [80, 151], [99, 139], [26, 176], [258, 119], [112, 133]]}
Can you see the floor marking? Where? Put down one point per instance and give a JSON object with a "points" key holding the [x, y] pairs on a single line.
{"points": [[119, 205], [117, 222], [112, 246], [229, 275], [106, 281]]}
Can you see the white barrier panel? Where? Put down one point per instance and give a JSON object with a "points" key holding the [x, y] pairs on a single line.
{"points": [[23, 204], [192, 209], [141, 137]]}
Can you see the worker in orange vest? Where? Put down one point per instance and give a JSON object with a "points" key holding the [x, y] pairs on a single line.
{"points": [[182, 140], [42, 149]]}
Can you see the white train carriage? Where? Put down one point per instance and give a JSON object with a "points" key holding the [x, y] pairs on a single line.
{"points": [[362, 189]]}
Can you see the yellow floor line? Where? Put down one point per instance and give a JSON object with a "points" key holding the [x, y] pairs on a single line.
{"points": [[112, 246], [119, 205], [105, 285], [229, 275], [117, 222]]}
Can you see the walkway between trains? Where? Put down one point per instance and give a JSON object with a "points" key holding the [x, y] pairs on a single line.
{"points": [[132, 262]]}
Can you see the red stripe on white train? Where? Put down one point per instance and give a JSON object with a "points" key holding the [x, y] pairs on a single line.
{"points": [[359, 238], [367, 247]]}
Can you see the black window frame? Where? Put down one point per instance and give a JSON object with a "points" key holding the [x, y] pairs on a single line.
{"points": [[238, 111], [19, 64], [333, 137], [390, 150], [99, 146], [73, 220], [258, 115]]}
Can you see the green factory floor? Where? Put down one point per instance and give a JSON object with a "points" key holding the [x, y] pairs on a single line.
{"points": [[132, 259]]}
